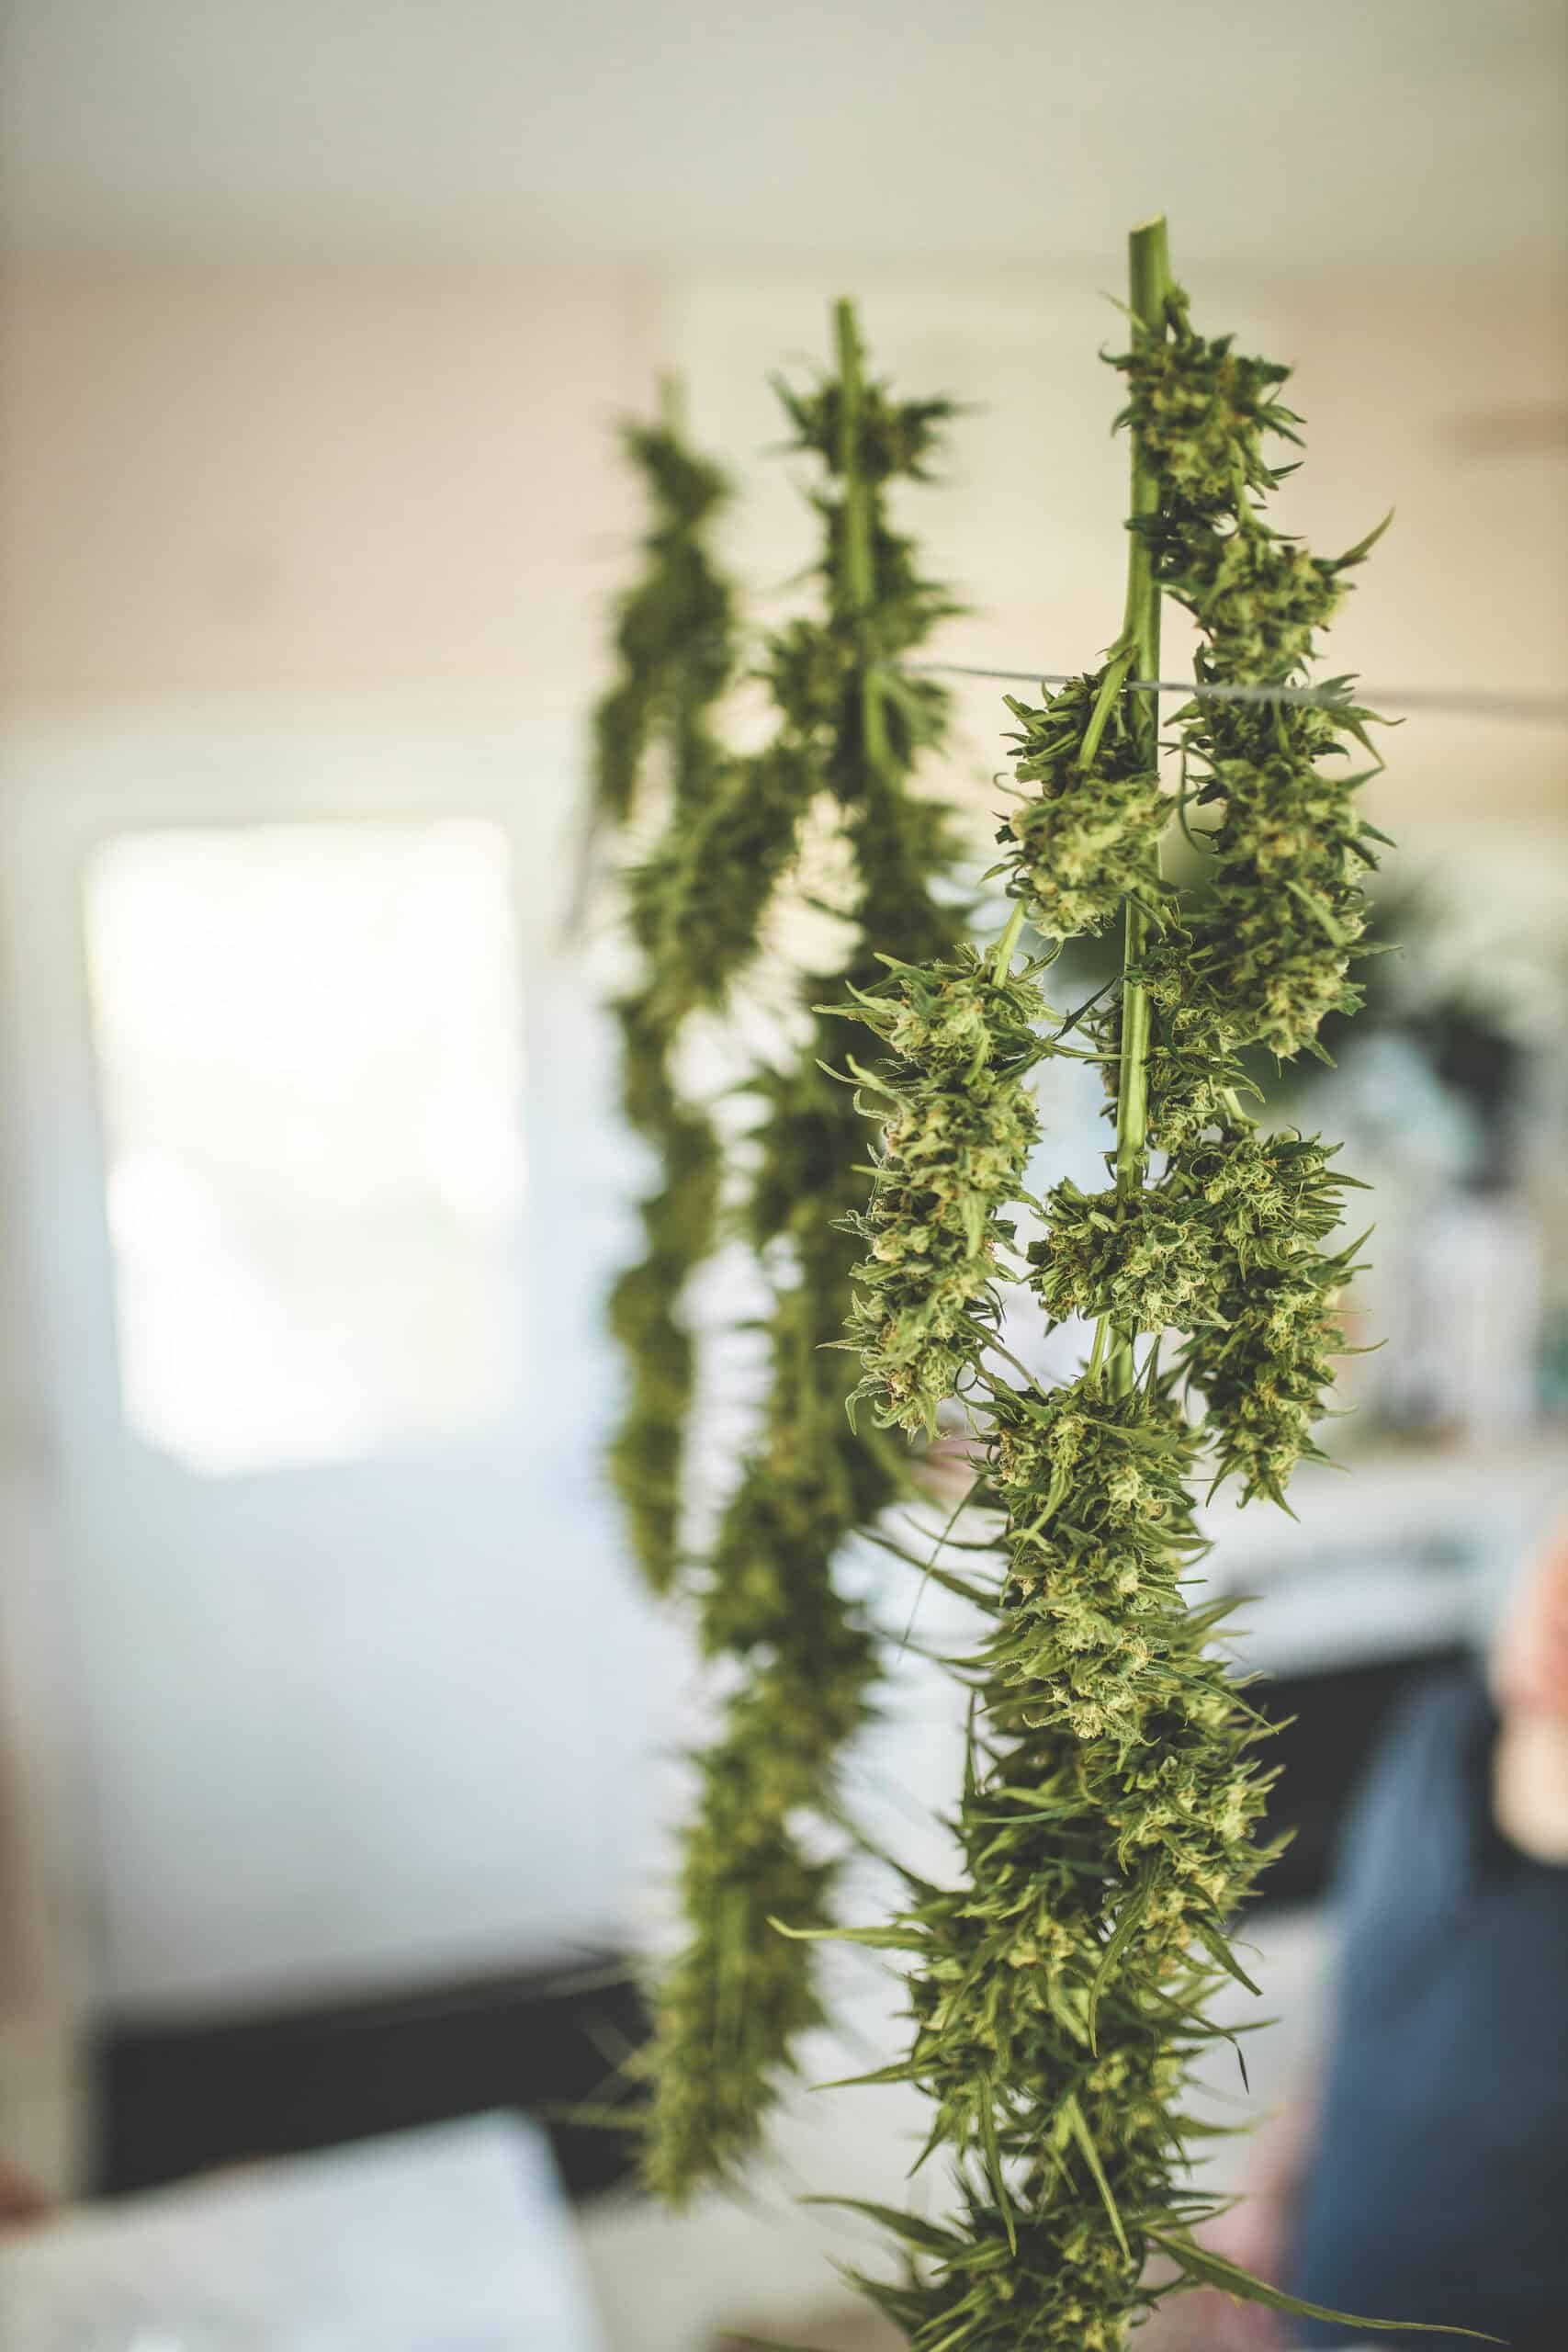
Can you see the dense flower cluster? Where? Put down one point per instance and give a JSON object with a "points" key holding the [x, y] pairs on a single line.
{"points": [[709, 886], [655, 752], [1107, 1832], [1231, 1241], [832, 699], [1147, 1261], [759, 1848], [1264, 954], [735, 1999], [679, 1218], [1088, 809], [1262, 1358], [1225, 1247], [1266, 1365], [674, 635], [1268, 954], [955, 1141]]}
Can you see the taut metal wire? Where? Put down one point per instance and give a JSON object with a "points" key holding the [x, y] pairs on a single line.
{"points": [[1521, 710]]}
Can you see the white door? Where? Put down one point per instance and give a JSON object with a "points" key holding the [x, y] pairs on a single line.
{"points": [[322, 1189]]}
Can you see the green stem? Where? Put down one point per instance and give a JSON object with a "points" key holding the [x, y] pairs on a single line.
{"points": [[857, 590], [1111, 686], [1149, 270], [1001, 962]]}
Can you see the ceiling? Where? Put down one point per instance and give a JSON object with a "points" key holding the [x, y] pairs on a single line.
{"points": [[1372, 131]]}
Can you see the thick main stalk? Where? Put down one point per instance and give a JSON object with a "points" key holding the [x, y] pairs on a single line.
{"points": [[1138, 648]]}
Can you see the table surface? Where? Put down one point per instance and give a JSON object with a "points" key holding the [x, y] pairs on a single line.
{"points": [[451, 2240]]}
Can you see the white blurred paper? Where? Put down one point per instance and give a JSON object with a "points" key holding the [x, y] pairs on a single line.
{"points": [[452, 2240]]}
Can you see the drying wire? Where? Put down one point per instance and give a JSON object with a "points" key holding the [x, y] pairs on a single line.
{"points": [[1336, 693], [1449, 702], [1523, 710]]}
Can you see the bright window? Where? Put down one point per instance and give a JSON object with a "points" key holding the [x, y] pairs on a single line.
{"points": [[310, 1043]]}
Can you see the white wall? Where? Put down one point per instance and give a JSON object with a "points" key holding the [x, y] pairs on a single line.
{"points": [[344, 479], [369, 478]]}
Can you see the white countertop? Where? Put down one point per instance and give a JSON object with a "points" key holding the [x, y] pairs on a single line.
{"points": [[456, 2239]]}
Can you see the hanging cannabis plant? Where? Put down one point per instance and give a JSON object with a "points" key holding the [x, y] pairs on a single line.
{"points": [[801, 1657], [659, 763], [1107, 1827], [1107, 1824]]}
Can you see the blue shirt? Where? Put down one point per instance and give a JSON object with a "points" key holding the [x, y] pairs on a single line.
{"points": [[1440, 2185]]}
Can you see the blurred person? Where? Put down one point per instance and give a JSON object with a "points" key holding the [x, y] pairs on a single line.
{"points": [[1429, 2179]]}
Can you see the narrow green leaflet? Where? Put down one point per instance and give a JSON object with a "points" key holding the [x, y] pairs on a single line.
{"points": [[1208, 2269]]}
